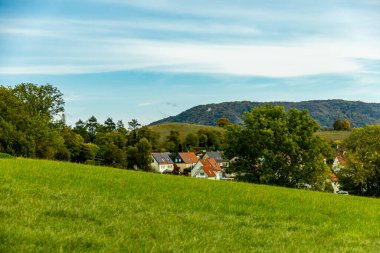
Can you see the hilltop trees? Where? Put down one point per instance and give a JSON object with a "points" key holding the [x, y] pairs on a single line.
{"points": [[278, 147], [361, 174], [341, 125]]}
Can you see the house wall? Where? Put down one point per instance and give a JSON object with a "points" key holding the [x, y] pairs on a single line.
{"points": [[336, 165], [166, 168], [155, 165], [196, 168]]}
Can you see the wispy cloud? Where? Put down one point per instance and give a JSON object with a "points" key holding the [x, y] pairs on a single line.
{"points": [[234, 59], [145, 104]]}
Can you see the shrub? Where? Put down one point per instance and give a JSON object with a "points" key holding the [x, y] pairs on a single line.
{"points": [[5, 156]]}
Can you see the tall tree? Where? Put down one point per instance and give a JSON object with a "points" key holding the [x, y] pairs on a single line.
{"points": [[109, 125], [361, 173], [92, 127], [44, 99], [278, 147]]}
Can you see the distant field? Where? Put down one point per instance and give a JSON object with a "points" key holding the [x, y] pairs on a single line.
{"points": [[334, 135], [183, 129], [50, 206]]}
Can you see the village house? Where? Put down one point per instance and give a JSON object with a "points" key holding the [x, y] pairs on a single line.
{"points": [[162, 163], [185, 160], [339, 162], [217, 156], [207, 168]]}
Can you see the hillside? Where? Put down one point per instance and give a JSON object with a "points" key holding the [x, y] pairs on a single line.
{"points": [[183, 128], [50, 206], [324, 111]]}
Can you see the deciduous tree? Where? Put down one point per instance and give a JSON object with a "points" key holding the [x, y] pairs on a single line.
{"points": [[278, 147]]}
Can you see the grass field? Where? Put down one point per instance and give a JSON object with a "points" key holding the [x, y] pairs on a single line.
{"points": [[183, 128], [50, 206], [334, 135]]}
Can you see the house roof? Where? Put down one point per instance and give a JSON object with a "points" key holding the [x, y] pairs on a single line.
{"points": [[162, 158], [216, 155], [341, 159], [188, 157], [209, 171], [211, 162], [333, 177]]}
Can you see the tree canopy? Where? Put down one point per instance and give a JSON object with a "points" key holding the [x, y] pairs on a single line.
{"points": [[361, 173], [278, 147]]}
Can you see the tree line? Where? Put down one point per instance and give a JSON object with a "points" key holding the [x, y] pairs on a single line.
{"points": [[32, 124]]}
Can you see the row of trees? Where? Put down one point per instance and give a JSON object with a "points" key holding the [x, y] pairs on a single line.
{"points": [[32, 124]]}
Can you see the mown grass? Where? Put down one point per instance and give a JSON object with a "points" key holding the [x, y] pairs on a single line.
{"points": [[183, 128], [50, 206], [334, 135]]}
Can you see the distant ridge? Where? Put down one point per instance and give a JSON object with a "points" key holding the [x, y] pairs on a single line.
{"points": [[323, 111]]}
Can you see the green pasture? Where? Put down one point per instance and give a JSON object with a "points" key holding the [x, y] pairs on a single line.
{"points": [[48, 206]]}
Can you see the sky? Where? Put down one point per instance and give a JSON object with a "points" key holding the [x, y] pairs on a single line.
{"points": [[149, 59]]}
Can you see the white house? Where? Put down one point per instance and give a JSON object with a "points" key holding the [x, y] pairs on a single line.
{"points": [[207, 168], [162, 162]]}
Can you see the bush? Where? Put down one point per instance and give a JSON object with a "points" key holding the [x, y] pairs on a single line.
{"points": [[6, 156]]}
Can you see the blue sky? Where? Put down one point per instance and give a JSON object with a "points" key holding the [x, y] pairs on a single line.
{"points": [[150, 59]]}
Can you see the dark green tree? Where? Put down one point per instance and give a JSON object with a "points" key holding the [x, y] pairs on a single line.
{"points": [[173, 142], [109, 125], [361, 173], [222, 122], [92, 126], [40, 99], [278, 147], [191, 140]]}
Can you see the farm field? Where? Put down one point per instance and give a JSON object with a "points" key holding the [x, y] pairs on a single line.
{"points": [[183, 128], [186, 128], [334, 135], [48, 206]]}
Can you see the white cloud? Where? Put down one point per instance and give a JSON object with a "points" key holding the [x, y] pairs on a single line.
{"points": [[249, 60]]}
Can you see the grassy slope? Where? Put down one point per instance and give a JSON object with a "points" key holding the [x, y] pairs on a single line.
{"points": [[183, 129], [334, 135], [50, 206]]}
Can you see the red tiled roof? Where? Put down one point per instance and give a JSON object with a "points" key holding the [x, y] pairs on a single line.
{"points": [[341, 159], [188, 157], [211, 162], [333, 177], [209, 170]]}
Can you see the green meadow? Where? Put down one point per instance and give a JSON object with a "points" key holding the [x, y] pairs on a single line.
{"points": [[48, 206], [183, 128], [334, 135]]}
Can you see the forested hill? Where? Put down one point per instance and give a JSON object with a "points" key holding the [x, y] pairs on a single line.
{"points": [[324, 111]]}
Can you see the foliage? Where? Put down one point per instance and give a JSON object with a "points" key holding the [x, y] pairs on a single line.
{"points": [[341, 125], [5, 156], [45, 100], [27, 126], [222, 122], [325, 112], [191, 141], [278, 147], [361, 174], [52, 207]]}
